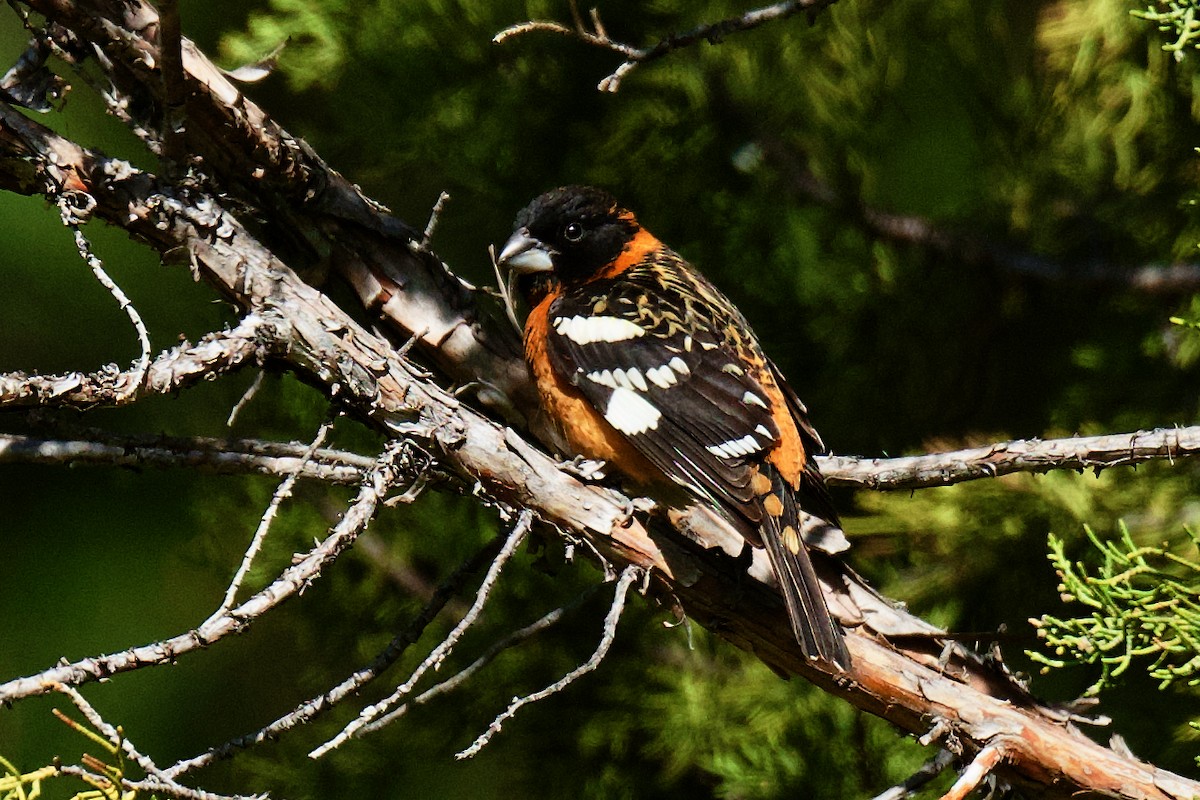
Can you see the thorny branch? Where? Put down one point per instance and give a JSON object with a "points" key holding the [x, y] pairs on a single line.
{"points": [[234, 457], [1021, 455], [254, 340], [282, 492], [515, 638], [74, 208], [713, 33]]}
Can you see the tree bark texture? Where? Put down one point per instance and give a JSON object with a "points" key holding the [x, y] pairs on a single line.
{"points": [[310, 219]]}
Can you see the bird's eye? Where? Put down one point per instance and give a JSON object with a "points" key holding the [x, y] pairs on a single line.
{"points": [[573, 232]]}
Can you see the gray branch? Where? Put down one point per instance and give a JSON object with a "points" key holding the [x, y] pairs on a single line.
{"points": [[1021, 455], [881, 474], [216, 354], [593, 33], [292, 581]]}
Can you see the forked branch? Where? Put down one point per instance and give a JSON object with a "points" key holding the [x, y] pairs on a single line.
{"points": [[593, 32]]}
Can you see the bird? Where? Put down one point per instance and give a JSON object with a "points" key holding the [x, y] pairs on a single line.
{"points": [[644, 365]]}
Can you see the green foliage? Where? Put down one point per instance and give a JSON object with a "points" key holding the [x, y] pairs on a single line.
{"points": [[749, 734], [1176, 18], [17, 785], [1143, 604], [104, 779]]}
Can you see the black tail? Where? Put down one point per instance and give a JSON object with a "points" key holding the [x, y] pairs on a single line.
{"points": [[816, 631]]}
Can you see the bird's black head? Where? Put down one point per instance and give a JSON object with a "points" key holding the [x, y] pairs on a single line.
{"points": [[568, 234]]}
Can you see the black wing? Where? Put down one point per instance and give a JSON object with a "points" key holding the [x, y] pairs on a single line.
{"points": [[651, 349]]}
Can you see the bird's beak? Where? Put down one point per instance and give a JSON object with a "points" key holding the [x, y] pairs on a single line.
{"points": [[522, 253]]}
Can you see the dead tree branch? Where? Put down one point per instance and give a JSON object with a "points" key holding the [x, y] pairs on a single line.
{"points": [[908, 681], [235, 457], [976, 772], [308, 710], [216, 354], [293, 580], [282, 492], [1021, 455], [461, 677], [713, 33], [880, 474], [373, 712], [105, 777], [915, 782], [628, 576]]}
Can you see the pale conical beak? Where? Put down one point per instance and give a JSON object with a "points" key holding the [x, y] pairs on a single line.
{"points": [[522, 253]]}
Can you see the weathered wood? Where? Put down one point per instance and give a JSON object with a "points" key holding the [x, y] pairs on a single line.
{"points": [[896, 674]]}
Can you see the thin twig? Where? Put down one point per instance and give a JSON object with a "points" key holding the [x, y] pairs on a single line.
{"points": [[924, 774], [282, 492], [458, 679], [505, 287], [713, 33], [434, 215], [628, 576], [156, 781], [246, 397], [236, 457], [71, 217], [309, 709], [443, 650], [290, 582]]}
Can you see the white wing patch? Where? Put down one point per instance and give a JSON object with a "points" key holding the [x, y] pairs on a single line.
{"points": [[736, 448], [604, 378], [587, 330], [751, 399], [630, 413], [663, 377]]}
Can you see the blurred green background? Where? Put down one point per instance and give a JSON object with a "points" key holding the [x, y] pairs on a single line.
{"points": [[1055, 138]]}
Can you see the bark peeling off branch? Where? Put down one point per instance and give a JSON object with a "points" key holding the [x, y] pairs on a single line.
{"points": [[252, 341], [314, 216]]}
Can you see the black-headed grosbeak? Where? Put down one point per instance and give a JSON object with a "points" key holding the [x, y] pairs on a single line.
{"points": [[646, 366]]}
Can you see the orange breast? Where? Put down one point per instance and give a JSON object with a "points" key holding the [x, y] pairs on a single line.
{"points": [[583, 425]]}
